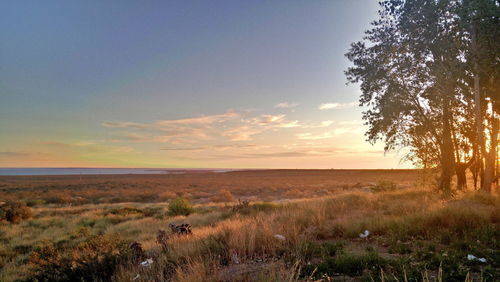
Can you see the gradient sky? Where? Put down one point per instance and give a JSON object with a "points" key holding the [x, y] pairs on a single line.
{"points": [[228, 84]]}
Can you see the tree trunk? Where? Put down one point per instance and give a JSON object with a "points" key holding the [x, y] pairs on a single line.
{"points": [[486, 177], [460, 169], [447, 154], [490, 158], [475, 163]]}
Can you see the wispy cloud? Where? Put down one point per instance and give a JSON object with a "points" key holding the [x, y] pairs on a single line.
{"points": [[214, 147], [168, 124], [202, 120], [350, 122], [285, 105], [126, 125], [325, 123], [275, 121], [331, 133], [13, 154], [311, 136], [186, 130], [277, 153], [242, 133], [229, 131], [268, 119], [334, 106]]}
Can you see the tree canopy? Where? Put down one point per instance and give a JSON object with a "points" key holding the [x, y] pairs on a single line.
{"points": [[428, 71]]}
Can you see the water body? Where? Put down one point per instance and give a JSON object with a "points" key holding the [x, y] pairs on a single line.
{"points": [[82, 171]]}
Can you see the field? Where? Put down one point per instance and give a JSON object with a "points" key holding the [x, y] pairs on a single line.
{"points": [[300, 225]]}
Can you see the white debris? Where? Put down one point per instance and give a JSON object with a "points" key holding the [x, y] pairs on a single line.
{"points": [[473, 257], [147, 262], [364, 234], [234, 257], [279, 237], [136, 277]]}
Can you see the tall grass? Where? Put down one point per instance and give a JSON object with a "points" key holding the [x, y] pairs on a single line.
{"points": [[411, 231]]}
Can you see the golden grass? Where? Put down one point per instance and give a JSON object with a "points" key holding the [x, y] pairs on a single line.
{"points": [[394, 218]]}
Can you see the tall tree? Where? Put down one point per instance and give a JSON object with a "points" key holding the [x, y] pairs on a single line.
{"points": [[480, 21], [418, 67], [404, 70]]}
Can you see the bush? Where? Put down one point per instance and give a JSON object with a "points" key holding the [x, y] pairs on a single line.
{"points": [[123, 211], [383, 186], [34, 202], [224, 196], [14, 212], [167, 195], [94, 259], [347, 264], [256, 208], [179, 206]]}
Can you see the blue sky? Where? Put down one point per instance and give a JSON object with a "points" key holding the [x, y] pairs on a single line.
{"points": [[124, 83]]}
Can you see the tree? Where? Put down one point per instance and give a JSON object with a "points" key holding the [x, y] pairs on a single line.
{"points": [[480, 20], [416, 77]]}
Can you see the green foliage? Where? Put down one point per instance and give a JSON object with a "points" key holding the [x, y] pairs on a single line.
{"points": [[347, 264], [416, 67], [96, 258], [310, 250], [180, 206], [15, 212]]}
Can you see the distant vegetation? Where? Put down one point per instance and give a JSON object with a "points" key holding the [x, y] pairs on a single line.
{"points": [[197, 188]]}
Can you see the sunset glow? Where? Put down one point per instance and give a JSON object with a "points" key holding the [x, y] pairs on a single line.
{"points": [[166, 86]]}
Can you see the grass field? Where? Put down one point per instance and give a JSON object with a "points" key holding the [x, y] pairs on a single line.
{"points": [[300, 225]]}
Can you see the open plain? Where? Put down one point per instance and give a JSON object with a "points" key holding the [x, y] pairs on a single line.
{"points": [[262, 225]]}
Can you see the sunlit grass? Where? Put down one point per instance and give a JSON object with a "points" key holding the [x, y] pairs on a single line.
{"points": [[413, 231]]}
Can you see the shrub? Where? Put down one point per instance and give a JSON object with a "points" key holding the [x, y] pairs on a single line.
{"points": [[224, 196], [14, 212], [256, 208], [34, 202], [179, 206], [123, 211], [310, 250], [383, 186], [167, 195], [93, 259], [156, 212], [295, 193], [348, 264]]}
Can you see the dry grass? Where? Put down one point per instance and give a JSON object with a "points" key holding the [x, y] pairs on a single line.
{"points": [[414, 234], [199, 187]]}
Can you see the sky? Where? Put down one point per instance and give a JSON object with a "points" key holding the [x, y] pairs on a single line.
{"points": [[192, 84]]}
